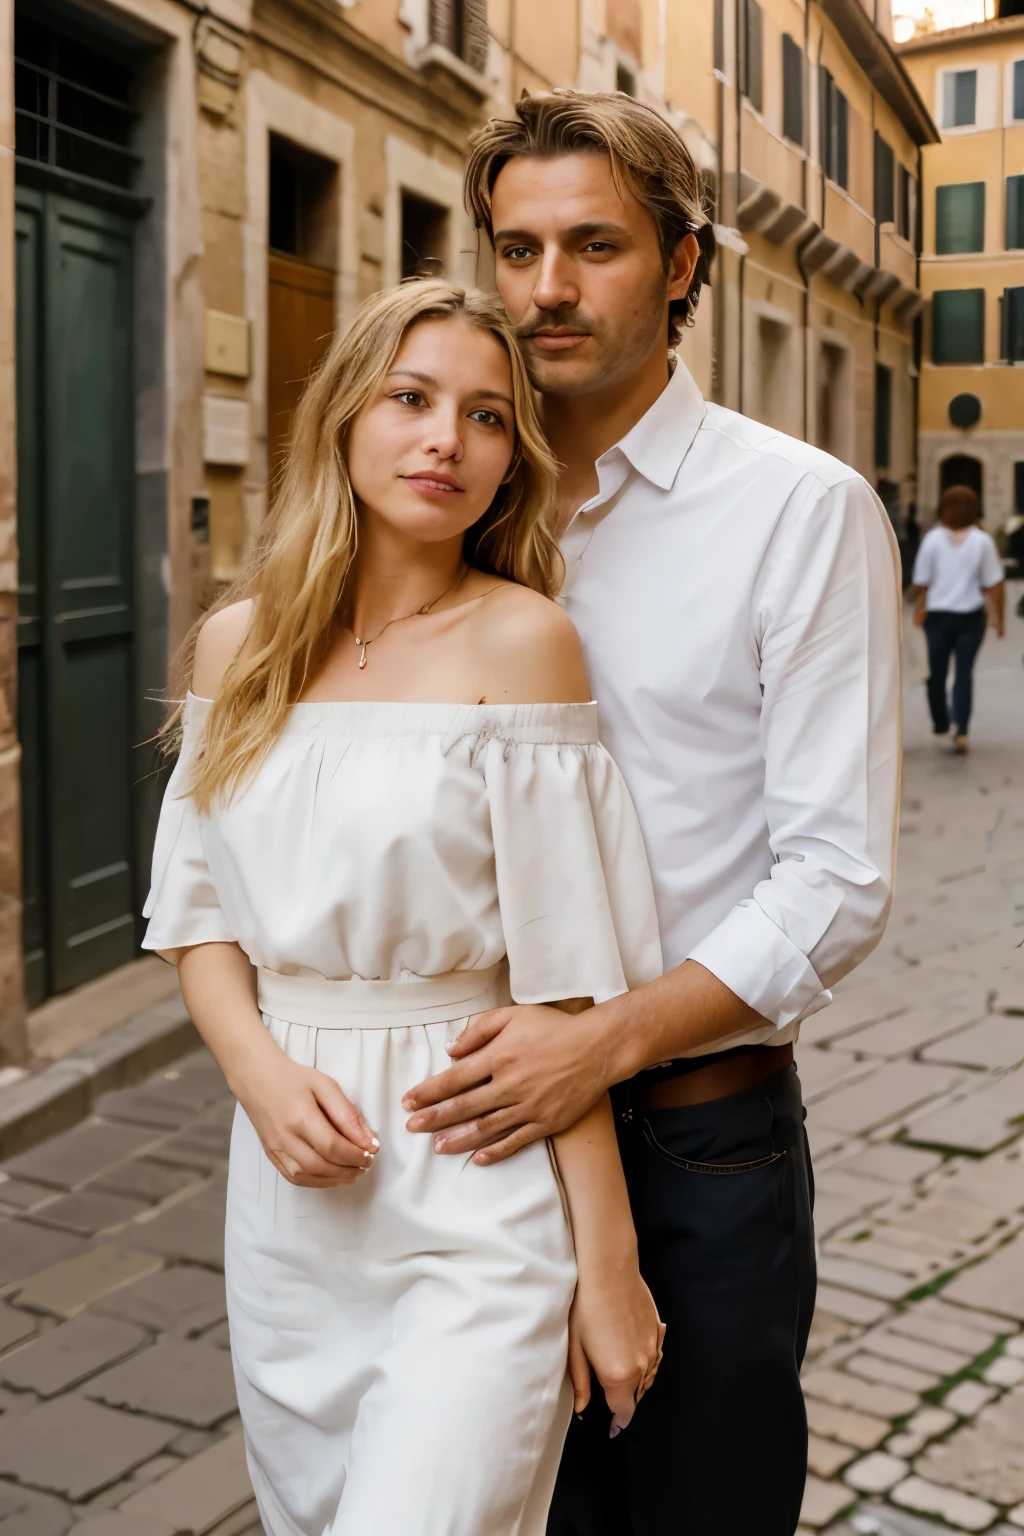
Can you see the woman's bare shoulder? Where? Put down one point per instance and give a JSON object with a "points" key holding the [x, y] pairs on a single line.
{"points": [[529, 651], [217, 645]]}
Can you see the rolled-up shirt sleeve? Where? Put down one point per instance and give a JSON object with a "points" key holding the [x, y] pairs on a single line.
{"points": [[826, 620]]}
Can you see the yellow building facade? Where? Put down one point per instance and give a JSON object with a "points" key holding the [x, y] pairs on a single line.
{"points": [[972, 265]]}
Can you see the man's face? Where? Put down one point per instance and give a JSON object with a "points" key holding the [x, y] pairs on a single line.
{"points": [[581, 272]]}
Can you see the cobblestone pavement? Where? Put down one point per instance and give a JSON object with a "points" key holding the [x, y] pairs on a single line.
{"points": [[117, 1409]]}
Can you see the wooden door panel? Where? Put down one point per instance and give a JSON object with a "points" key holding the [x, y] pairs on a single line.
{"points": [[300, 328]]}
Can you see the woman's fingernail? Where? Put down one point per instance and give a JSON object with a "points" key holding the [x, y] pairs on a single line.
{"points": [[407, 1101], [615, 1430], [374, 1143], [368, 1157], [439, 1142]]}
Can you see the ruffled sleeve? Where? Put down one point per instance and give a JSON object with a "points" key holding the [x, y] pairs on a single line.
{"points": [[183, 907], [574, 886]]}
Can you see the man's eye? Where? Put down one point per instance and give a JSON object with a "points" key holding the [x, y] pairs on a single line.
{"points": [[517, 253], [599, 246]]}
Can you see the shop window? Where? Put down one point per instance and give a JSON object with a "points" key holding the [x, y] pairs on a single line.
{"points": [[792, 89], [751, 52], [885, 182], [1012, 327], [960, 218], [834, 129], [1014, 213], [959, 98], [958, 325]]}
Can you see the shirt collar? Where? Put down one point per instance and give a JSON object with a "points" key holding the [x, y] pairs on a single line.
{"points": [[659, 442]]}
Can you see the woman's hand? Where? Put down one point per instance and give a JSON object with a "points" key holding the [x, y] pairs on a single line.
{"points": [[314, 1136], [614, 1327]]}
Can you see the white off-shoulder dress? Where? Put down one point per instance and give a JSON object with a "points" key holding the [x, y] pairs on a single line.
{"points": [[400, 1344]]}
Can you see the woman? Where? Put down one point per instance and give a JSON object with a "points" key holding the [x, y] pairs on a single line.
{"points": [[958, 577], [391, 812]]}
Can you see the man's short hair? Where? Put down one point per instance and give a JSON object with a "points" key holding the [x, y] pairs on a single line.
{"points": [[960, 507], [644, 150]]}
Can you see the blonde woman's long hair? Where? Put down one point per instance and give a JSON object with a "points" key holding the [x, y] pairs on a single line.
{"points": [[298, 570]]}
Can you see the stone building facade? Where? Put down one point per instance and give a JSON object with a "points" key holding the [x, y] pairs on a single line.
{"points": [[200, 192], [971, 426]]}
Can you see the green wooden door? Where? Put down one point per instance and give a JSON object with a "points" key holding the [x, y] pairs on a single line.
{"points": [[75, 557]]}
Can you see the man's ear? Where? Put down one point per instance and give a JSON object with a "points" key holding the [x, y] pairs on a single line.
{"points": [[682, 267]]}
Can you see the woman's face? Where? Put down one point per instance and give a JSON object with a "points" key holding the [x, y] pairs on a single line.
{"points": [[427, 453]]}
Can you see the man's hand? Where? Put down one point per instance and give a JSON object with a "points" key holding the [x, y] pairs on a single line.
{"points": [[521, 1073]]}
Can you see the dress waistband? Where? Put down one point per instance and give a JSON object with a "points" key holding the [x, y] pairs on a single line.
{"points": [[380, 1004]]}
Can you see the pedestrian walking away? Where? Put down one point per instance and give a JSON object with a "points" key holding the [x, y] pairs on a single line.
{"points": [[958, 588], [737, 597], [390, 812]]}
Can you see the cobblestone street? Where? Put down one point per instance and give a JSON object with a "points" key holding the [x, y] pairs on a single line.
{"points": [[117, 1411]]}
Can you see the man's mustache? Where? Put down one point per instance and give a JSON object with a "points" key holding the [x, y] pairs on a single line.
{"points": [[559, 322]]}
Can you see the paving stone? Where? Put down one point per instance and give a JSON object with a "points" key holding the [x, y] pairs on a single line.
{"points": [[205, 1490], [183, 1297], [955, 1221], [985, 1457], [887, 1095], [995, 1182], [75, 1448], [64, 1356], [891, 1162], [78, 1155], [905, 1444], [832, 1212], [917, 1324], [140, 1106], [73, 1284], [930, 1422], [22, 1196], [822, 1502], [997, 1285], [876, 1473], [912, 1030], [879, 1254], [995, 1042], [845, 1391], [889, 1373], [978, 1123], [864, 1193], [1016, 1516], [112, 1522], [962, 1510], [1005, 1372], [23, 1512], [869, 1002], [882, 1283], [967, 1397], [191, 1383], [851, 1306], [821, 1071], [191, 1441], [15, 1326], [150, 1181], [926, 1357], [221, 1336], [863, 1430], [88, 1211], [26, 1248], [159, 1467], [825, 1457], [826, 1331], [960, 1313], [1015, 1346], [183, 1232]]}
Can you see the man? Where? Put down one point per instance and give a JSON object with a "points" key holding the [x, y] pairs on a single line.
{"points": [[737, 599]]}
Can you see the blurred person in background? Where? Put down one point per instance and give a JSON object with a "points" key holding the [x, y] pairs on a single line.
{"points": [[959, 586]]}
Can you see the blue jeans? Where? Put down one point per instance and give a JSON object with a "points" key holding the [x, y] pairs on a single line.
{"points": [[947, 634]]}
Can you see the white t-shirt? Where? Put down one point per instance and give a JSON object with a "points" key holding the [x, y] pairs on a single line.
{"points": [[957, 574]]}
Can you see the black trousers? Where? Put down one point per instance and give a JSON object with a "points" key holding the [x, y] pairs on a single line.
{"points": [[722, 1196], [952, 634]]}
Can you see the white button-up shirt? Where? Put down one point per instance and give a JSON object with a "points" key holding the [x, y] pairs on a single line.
{"points": [[737, 599]]}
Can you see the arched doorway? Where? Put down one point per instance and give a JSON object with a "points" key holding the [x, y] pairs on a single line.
{"points": [[961, 469]]}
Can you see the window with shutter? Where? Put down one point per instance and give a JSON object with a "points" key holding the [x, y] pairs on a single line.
{"points": [[1012, 348], [833, 129], [792, 89], [959, 98], [752, 60], [885, 178], [1014, 213], [718, 43], [958, 325], [461, 27], [883, 416], [1018, 91], [842, 172], [960, 218]]}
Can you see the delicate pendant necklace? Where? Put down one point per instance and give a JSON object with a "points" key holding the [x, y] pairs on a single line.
{"points": [[399, 617]]}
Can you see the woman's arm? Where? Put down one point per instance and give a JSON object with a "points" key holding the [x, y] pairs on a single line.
{"points": [[308, 1128], [995, 598], [614, 1325]]}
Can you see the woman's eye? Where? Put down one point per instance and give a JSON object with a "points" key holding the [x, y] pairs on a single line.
{"points": [[408, 396], [486, 418]]}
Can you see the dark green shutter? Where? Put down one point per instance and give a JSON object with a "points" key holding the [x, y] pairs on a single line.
{"points": [[1014, 212], [842, 110], [1012, 348], [960, 218], [1018, 90], [792, 90], [883, 416], [958, 325], [885, 176], [753, 53], [959, 98]]}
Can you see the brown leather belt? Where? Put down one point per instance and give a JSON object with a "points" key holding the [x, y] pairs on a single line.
{"points": [[747, 1067]]}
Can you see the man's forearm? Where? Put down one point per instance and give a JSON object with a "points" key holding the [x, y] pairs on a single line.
{"points": [[686, 1008]]}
